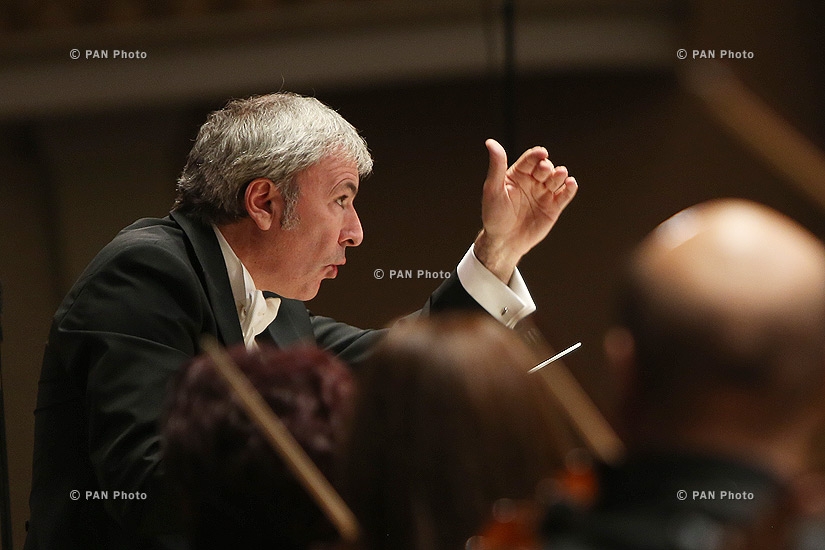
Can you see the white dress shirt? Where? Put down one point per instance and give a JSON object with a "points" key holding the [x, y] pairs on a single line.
{"points": [[254, 311], [509, 303]]}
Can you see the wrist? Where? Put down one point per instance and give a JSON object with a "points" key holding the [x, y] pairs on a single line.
{"points": [[496, 256]]}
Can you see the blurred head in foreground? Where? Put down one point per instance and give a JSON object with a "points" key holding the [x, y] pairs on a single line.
{"points": [[237, 490], [721, 355], [722, 347], [447, 421]]}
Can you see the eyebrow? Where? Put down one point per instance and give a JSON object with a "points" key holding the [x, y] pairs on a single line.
{"points": [[350, 186]]}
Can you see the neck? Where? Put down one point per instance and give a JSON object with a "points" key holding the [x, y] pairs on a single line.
{"points": [[242, 238], [248, 244]]}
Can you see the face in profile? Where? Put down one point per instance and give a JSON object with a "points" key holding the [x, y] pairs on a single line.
{"points": [[315, 248]]}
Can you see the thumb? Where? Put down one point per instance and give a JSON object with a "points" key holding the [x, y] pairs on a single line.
{"points": [[497, 168]]}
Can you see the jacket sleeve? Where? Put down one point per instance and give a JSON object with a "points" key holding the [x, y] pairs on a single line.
{"points": [[353, 344]]}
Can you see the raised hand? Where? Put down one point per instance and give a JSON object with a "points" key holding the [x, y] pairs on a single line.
{"points": [[519, 206]]}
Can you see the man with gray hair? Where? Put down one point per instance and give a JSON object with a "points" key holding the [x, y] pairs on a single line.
{"points": [[264, 213]]}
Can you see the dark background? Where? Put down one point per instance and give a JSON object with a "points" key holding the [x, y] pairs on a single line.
{"points": [[87, 146]]}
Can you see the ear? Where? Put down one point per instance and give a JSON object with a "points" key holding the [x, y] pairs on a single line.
{"points": [[620, 351], [264, 203]]}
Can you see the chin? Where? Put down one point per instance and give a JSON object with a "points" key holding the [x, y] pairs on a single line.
{"points": [[301, 293], [308, 294]]}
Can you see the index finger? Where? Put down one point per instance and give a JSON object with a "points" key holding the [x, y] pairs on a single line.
{"points": [[529, 160]]}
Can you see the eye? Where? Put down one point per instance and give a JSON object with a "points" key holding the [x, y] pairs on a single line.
{"points": [[342, 200]]}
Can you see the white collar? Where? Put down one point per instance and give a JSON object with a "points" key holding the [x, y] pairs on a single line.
{"points": [[255, 312]]}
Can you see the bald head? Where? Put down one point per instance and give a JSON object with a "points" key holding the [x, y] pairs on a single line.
{"points": [[728, 296]]}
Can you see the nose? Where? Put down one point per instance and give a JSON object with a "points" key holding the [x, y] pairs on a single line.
{"points": [[352, 233]]}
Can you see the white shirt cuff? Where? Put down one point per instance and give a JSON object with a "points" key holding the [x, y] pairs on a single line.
{"points": [[507, 303]]}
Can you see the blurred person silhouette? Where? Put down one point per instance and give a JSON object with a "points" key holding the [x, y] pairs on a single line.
{"points": [[720, 356], [236, 490], [448, 421]]}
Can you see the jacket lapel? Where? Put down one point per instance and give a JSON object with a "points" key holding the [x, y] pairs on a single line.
{"points": [[215, 279], [291, 326]]}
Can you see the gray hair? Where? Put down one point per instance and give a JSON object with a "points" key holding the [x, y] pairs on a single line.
{"points": [[274, 136]]}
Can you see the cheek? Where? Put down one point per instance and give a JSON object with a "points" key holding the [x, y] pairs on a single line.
{"points": [[326, 233], [316, 247], [314, 242]]}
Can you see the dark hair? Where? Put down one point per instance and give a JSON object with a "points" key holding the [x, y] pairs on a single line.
{"points": [[447, 421], [237, 489]]}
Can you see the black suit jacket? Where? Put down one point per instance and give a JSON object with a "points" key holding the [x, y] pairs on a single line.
{"points": [[130, 321]]}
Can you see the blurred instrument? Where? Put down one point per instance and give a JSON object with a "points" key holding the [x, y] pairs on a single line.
{"points": [[580, 410], [759, 127], [284, 444]]}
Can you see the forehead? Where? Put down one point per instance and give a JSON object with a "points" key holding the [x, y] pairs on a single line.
{"points": [[333, 172]]}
